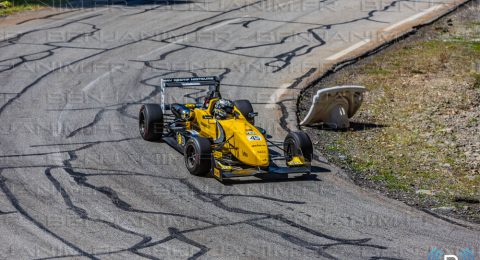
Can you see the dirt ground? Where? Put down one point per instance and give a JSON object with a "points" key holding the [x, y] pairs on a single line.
{"points": [[416, 137]]}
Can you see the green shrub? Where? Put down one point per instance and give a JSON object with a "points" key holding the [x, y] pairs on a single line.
{"points": [[5, 4]]}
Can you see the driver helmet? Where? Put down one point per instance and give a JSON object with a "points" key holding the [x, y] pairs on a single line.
{"points": [[223, 108]]}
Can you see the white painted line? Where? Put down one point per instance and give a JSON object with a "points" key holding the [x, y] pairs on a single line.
{"points": [[224, 23], [413, 17], [287, 3], [348, 50], [93, 82], [274, 98]]}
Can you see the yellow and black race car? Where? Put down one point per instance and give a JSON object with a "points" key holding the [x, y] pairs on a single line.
{"points": [[218, 136]]}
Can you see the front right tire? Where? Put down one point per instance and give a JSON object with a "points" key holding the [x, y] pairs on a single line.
{"points": [[298, 144]]}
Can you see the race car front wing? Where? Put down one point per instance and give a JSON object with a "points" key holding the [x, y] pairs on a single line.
{"points": [[221, 172]]}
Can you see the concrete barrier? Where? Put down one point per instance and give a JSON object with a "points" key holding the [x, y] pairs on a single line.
{"points": [[335, 106]]}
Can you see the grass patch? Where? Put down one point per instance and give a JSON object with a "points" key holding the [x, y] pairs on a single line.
{"points": [[15, 6], [476, 80], [392, 182], [378, 71], [476, 46], [421, 91]]}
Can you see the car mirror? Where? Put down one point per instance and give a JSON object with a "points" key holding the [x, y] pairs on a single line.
{"points": [[252, 114], [262, 131]]}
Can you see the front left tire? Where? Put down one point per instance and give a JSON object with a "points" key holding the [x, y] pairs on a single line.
{"points": [[197, 154]]}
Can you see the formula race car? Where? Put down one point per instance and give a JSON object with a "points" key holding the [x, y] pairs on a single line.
{"points": [[218, 136]]}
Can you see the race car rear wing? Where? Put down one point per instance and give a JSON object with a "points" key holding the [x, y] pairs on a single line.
{"points": [[197, 81], [212, 81]]}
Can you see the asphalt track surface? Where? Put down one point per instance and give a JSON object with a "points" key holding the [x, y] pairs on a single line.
{"points": [[76, 181]]}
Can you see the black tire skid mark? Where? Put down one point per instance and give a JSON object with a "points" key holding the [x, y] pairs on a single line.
{"points": [[6, 212], [222, 51], [26, 88], [287, 57], [175, 233], [173, 236], [14, 201], [167, 40], [94, 29], [21, 35], [82, 213], [283, 118], [50, 52], [85, 145], [45, 17], [295, 240], [298, 80], [24, 59], [225, 195], [247, 23], [212, 199], [171, 39], [203, 249], [96, 119], [284, 58], [81, 180]]}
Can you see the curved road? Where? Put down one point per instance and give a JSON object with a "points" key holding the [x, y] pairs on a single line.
{"points": [[76, 181]]}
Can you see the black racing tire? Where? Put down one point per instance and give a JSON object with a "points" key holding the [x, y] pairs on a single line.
{"points": [[197, 154], [298, 143], [150, 122], [246, 108]]}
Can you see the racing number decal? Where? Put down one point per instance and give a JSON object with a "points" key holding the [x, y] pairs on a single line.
{"points": [[254, 138], [180, 139]]}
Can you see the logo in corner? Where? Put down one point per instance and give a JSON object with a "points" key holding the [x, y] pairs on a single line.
{"points": [[437, 254]]}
